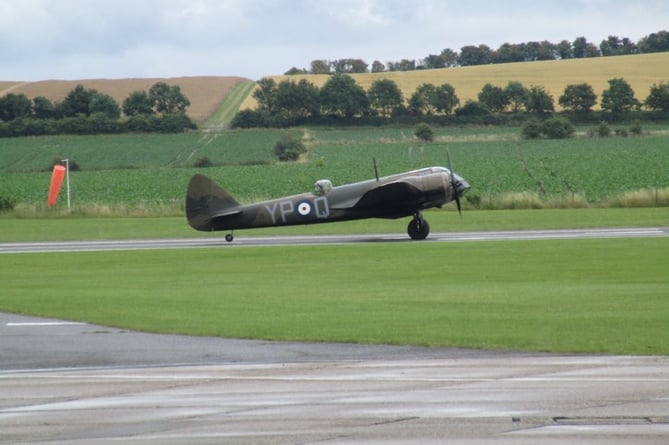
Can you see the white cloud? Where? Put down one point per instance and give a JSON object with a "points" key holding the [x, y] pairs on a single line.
{"points": [[72, 39]]}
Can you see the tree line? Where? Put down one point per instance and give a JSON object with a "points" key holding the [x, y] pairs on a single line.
{"points": [[341, 99], [482, 54], [87, 111]]}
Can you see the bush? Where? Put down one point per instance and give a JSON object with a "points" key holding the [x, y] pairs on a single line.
{"points": [[557, 128], [6, 204], [250, 119], [473, 108], [424, 132], [174, 123], [636, 128], [289, 149], [532, 129], [72, 164], [203, 162], [604, 130]]}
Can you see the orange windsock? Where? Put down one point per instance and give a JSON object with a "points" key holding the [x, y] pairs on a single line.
{"points": [[56, 181]]}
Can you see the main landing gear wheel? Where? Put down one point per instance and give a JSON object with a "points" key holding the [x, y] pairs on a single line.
{"points": [[229, 237], [418, 228]]}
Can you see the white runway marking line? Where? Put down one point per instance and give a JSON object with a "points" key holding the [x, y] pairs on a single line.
{"points": [[44, 323]]}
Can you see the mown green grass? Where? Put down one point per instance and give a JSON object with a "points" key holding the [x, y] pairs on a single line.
{"points": [[14, 229], [226, 112], [605, 296]]}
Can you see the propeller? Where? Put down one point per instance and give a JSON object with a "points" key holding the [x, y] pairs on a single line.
{"points": [[456, 194]]}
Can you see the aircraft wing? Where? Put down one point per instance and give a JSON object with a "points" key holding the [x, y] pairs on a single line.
{"points": [[394, 195]]}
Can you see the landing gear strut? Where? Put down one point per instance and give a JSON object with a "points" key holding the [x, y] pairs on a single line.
{"points": [[418, 227]]}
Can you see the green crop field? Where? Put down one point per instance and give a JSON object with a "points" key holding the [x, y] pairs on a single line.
{"points": [[153, 170]]}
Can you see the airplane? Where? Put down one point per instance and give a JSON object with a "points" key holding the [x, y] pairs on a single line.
{"points": [[210, 208]]}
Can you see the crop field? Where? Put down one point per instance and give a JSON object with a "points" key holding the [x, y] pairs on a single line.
{"points": [[641, 71], [155, 169]]}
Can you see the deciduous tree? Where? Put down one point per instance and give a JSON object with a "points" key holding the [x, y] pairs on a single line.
{"points": [[619, 97], [495, 98], [475, 55], [539, 101], [137, 102], [296, 99], [14, 106], [422, 100], [342, 96], [168, 99], [43, 108], [105, 105], [658, 98], [517, 95], [445, 99], [265, 94], [580, 98], [385, 96]]}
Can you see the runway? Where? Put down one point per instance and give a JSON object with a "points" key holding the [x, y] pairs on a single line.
{"points": [[74, 383], [247, 241]]}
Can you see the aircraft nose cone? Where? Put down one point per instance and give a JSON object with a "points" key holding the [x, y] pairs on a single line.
{"points": [[461, 184]]}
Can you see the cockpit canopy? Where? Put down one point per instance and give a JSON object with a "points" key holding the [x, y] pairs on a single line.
{"points": [[322, 187]]}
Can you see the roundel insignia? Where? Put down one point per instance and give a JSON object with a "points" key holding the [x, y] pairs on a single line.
{"points": [[304, 208]]}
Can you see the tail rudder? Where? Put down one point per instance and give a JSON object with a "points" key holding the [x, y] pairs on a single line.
{"points": [[204, 201]]}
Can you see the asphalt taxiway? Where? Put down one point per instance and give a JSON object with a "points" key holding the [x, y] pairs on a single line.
{"points": [[74, 383]]}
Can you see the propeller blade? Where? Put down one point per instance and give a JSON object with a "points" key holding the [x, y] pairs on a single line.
{"points": [[453, 184]]}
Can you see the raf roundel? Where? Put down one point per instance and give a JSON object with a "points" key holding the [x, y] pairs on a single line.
{"points": [[304, 208]]}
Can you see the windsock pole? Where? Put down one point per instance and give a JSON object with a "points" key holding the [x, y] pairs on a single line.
{"points": [[67, 181]]}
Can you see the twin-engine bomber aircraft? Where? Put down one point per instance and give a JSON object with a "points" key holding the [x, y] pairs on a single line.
{"points": [[210, 208]]}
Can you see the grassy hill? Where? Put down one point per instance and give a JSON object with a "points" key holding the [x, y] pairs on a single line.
{"points": [[206, 94], [641, 71]]}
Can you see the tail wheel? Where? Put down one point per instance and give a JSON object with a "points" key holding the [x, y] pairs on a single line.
{"points": [[418, 228], [229, 237]]}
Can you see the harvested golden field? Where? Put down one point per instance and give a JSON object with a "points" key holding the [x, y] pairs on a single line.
{"points": [[641, 71], [205, 93]]}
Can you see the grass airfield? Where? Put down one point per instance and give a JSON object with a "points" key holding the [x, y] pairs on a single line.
{"points": [[595, 295]]}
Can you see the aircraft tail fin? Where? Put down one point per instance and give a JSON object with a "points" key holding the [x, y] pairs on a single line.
{"points": [[206, 200]]}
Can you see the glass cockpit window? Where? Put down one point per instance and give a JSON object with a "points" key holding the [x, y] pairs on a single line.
{"points": [[322, 187]]}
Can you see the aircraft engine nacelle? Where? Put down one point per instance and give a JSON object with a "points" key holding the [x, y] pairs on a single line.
{"points": [[435, 188]]}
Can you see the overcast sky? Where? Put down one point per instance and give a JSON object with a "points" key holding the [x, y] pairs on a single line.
{"points": [[79, 39]]}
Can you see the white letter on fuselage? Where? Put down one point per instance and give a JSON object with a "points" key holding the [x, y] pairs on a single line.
{"points": [[271, 211], [286, 208]]}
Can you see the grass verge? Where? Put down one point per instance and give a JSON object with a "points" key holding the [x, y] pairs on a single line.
{"points": [[597, 295], [62, 227]]}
